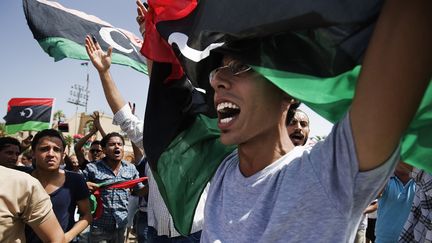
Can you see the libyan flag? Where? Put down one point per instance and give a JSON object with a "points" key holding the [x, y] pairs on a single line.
{"points": [[28, 114], [313, 50], [61, 33]]}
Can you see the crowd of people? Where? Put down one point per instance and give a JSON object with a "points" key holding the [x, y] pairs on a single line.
{"points": [[272, 187]]}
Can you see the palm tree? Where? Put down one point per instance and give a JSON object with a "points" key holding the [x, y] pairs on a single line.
{"points": [[58, 115], [69, 142], [2, 129]]}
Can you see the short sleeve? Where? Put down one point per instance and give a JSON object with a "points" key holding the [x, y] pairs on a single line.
{"points": [[335, 163], [38, 205]]}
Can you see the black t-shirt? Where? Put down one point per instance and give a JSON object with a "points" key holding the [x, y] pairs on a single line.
{"points": [[64, 201]]}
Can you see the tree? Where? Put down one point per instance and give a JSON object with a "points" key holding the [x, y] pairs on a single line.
{"points": [[58, 115], [2, 129], [69, 143]]}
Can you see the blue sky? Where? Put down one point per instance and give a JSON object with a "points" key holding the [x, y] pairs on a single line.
{"points": [[27, 71]]}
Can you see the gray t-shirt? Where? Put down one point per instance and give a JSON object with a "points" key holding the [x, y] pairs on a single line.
{"points": [[309, 195]]}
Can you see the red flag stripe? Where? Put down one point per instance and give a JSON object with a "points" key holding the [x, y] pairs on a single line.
{"points": [[30, 101], [155, 47]]}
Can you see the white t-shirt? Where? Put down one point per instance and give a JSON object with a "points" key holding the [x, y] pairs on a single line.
{"points": [[309, 195]]}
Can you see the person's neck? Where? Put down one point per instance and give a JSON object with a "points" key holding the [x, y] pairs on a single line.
{"points": [[263, 150], [113, 164], [404, 177], [46, 177]]}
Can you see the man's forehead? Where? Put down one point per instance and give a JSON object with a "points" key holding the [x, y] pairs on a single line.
{"points": [[114, 139], [11, 147], [301, 116], [47, 139]]}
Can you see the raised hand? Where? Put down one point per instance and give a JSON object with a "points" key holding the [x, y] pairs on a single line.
{"points": [[96, 121], [142, 11], [132, 106], [101, 60], [26, 143]]}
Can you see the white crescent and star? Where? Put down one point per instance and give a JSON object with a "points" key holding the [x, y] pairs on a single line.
{"points": [[23, 112], [195, 55], [176, 37]]}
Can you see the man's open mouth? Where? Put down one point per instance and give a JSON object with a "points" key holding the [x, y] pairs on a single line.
{"points": [[297, 136], [227, 111]]}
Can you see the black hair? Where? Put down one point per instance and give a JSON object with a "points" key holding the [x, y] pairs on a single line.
{"points": [[68, 162], [291, 112], [7, 141], [105, 139], [47, 133], [95, 142], [28, 154]]}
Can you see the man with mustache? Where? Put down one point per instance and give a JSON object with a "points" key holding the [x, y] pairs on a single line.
{"points": [[111, 226], [298, 128]]}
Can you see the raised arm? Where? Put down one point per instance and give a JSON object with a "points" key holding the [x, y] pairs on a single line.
{"points": [[142, 11], [137, 149], [396, 71], [96, 123], [122, 113], [102, 61], [78, 146], [26, 143]]}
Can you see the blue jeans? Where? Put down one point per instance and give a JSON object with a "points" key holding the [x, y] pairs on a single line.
{"points": [[141, 226], [152, 237], [100, 235]]}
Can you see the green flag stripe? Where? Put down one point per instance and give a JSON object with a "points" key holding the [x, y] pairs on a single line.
{"points": [[60, 48], [27, 126], [416, 146], [185, 168], [331, 98]]}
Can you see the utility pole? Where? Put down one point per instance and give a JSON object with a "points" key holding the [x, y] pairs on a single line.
{"points": [[87, 84], [78, 98]]}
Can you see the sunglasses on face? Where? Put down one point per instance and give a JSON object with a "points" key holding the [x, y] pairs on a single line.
{"points": [[233, 68]]}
